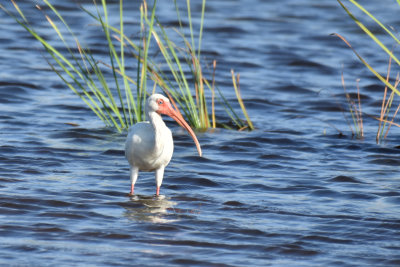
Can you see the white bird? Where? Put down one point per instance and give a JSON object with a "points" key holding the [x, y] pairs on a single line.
{"points": [[149, 145]]}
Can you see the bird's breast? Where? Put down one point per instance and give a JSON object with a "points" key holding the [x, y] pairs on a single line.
{"points": [[148, 148]]}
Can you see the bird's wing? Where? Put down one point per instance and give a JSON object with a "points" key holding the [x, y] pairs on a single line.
{"points": [[139, 145]]}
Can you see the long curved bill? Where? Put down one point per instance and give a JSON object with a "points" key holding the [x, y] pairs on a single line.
{"points": [[170, 111]]}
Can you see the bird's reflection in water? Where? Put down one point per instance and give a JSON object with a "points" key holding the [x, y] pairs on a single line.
{"points": [[156, 209]]}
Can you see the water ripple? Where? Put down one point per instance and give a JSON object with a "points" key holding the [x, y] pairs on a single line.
{"points": [[297, 191]]}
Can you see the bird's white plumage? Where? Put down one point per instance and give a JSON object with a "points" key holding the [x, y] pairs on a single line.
{"points": [[148, 148], [149, 145]]}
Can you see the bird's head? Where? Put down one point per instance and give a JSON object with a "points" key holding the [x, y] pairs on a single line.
{"points": [[161, 105], [158, 103]]}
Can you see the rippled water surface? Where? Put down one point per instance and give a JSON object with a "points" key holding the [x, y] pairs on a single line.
{"points": [[294, 192]]}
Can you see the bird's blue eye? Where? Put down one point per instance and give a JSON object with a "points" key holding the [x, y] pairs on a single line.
{"points": [[160, 102]]}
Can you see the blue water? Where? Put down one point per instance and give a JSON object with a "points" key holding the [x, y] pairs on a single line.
{"points": [[297, 191]]}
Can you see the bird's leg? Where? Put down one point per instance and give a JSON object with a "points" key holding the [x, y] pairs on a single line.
{"points": [[158, 191], [132, 189], [134, 171], [159, 178]]}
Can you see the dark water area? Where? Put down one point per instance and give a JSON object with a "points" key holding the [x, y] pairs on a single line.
{"points": [[294, 192]]}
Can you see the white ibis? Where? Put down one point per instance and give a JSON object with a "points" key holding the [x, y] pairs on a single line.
{"points": [[149, 145]]}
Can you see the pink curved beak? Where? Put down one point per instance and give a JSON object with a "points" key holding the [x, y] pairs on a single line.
{"points": [[176, 115]]}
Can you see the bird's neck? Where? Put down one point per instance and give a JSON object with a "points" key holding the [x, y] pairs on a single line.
{"points": [[156, 120], [159, 127]]}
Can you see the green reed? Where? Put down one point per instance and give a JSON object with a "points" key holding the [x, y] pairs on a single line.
{"points": [[186, 58], [355, 111], [119, 101], [384, 119], [374, 38]]}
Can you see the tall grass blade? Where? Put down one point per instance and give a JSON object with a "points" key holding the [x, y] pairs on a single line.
{"points": [[375, 19], [369, 33], [190, 26], [213, 95], [128, 92], [367, 65], [349, 107], [95, 108], [236, 86], [391, 122], [143, 83], [228, 108], [383, 108], [203, 11], [359, 113], [387, 109], [18, 10], [342, 109], [113, 56]]}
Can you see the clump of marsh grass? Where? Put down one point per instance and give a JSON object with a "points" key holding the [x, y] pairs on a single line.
{"points": [[355, 111], [385, 122], [187, 58], [384, 117], [85, 75], [119, 101]]}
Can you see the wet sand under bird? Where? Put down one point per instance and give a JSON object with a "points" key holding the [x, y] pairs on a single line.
{"points": [[149, 145]]}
